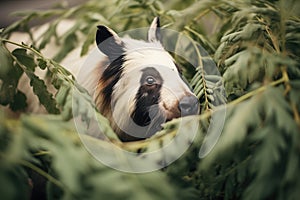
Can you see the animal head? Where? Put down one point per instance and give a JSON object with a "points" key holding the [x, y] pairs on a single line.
{"points": [[141, 86]]}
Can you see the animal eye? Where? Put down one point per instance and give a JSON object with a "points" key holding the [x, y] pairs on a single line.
{"points": [[150, 80]]}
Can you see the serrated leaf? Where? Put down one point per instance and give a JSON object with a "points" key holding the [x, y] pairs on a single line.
{"points": [[42, 63], [24, 58], [41, 90]]}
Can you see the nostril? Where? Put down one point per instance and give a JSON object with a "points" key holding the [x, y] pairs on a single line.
{"points": [[184, 106], [188, 105]]}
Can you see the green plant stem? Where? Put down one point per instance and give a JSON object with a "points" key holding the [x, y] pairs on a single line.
{"points": [[256, 91], [135, 145], [200, 15], [42, 173], [200, 65], [211, 46], [42, 153], [23, 46]]}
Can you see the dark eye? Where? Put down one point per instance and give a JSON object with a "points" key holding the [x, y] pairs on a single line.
{"points": [[150, 80]]}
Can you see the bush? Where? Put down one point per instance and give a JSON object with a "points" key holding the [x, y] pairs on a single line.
{"points": [[255, 45]]}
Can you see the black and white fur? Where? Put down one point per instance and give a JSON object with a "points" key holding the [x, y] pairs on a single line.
{"points": [[140, 86], [134, 83]]}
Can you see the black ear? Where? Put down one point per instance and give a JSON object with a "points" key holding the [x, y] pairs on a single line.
{"points": [[109, 42], [154, 31]]}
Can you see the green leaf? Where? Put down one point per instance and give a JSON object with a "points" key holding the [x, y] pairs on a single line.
{"points": [[14, 183], [19, 102], [61, 95], [69, 41], [6, 61], [41, 90], [48, 34], [268, 153], [79, 174], [24, 58], [9, 77], [243, 68], [90, 39], [247, 33], [42, 63], [7, 92], [257, 155]]}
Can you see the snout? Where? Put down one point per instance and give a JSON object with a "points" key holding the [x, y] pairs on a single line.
{"points": [[188, 105]]}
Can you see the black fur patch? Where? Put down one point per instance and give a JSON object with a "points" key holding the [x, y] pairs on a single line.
{"points": [[108, 43], [110, 77], [148, 95]]}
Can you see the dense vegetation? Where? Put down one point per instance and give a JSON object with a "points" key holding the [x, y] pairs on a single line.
{"points": [[255, 47]]}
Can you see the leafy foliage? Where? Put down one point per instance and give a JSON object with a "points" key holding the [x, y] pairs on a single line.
{"points": [[255, 46], [74, 171]]}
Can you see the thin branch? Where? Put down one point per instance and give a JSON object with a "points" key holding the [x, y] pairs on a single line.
{"points": [[273, 39], [256, 91], [23, 46], [42, 173], [200, 65]]}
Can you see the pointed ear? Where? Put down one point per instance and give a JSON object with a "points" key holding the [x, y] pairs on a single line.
{"points": [[109, 42], [154, 31]]}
